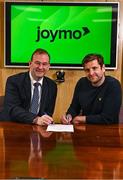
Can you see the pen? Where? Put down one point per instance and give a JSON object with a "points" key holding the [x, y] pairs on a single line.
{"points": [[68, 118], [80, 114], [45, 113]]}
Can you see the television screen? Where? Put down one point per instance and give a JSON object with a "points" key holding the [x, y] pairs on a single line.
{"points": [[68, 31]]}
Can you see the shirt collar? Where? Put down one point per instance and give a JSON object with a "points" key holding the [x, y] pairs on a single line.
{"points": [[34, 81]]}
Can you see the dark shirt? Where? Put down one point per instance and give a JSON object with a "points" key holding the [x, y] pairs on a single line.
{"points": [[100, 105]]}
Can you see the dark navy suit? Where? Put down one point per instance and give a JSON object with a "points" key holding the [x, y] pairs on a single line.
{"points": [[18, 98]]}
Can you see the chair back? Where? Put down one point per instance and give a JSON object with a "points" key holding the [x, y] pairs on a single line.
{"points": [[121, 115], [1, 102]]}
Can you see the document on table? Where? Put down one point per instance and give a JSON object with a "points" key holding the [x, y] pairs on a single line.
{"points": [[60, 128]]}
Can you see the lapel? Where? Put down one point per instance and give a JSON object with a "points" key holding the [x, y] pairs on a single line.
{"points": [[27, 88], [44, 94]]}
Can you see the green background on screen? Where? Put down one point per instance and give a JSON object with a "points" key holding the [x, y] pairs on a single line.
{"points": [[26, 18]]}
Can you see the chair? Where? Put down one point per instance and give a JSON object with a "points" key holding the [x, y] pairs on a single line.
{"points": [[121, 115], [3, 115], [1, 102]]}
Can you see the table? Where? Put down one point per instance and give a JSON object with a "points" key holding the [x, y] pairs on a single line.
{"points": [[91, 152]]}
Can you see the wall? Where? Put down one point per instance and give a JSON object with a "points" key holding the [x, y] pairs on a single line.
{"points": [[65, 90]]}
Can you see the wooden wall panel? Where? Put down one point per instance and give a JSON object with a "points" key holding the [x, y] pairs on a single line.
{"points": [[65, 90]]}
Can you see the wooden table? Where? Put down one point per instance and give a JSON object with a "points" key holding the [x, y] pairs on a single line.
{"points": [[91, 152]]}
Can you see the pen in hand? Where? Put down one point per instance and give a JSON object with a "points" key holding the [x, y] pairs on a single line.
{"points": [[68, 118]]}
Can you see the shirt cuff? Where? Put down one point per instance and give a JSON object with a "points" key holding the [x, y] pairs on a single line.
{"points": [[35, 120]]}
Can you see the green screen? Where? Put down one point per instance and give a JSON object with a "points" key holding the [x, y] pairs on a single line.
{"points": [[68, 31]]}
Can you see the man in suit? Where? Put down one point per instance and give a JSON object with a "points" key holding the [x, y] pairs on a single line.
{"points": [[20, 88]]}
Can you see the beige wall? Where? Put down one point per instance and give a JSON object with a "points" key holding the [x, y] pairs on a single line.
{"points": [[65, 90]]}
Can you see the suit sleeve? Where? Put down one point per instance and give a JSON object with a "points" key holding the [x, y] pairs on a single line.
{"points": [[13, 103]]}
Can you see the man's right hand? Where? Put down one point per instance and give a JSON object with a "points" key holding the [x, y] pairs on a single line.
{"points": [[66, 119], [44, 120]]}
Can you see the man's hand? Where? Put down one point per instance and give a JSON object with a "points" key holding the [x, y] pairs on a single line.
{"points": [[44, 120], [79, 119], [66, 119]]}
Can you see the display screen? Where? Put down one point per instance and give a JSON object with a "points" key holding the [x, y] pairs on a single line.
{"points": [[68, 31]]}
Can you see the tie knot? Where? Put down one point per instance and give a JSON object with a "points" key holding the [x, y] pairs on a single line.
{"points": [[36, 84]]}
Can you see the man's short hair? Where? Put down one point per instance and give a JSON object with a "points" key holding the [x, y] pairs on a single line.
{"points": [[40, 51], [91, 57]]}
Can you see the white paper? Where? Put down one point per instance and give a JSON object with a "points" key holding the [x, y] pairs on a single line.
{"points": [[60, 128]]}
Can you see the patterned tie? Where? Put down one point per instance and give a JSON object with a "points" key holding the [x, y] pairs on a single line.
{"points": [[35, 99]]}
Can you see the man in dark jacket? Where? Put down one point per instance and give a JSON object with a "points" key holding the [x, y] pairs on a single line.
{"points": [[20, 91]]}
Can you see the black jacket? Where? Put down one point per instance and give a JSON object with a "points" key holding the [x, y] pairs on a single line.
{"points": [[18, 98]]}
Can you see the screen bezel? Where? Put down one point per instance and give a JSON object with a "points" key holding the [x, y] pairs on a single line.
{"points": [[114, 35]]}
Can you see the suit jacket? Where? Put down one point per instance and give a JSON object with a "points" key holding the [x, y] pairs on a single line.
{"points": [[18, 98]]}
